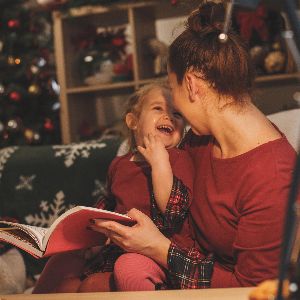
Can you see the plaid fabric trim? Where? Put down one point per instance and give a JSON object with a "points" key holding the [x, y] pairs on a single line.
{"points": [[105, 202], [189, 270], [104, 261], [176, 210]]}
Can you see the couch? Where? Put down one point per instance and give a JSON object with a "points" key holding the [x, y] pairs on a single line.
{"points": [[39, 183]]}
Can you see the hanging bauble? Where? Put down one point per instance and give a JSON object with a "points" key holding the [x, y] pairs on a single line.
{"points": [[11, 60], [41, 62], [48, 125], [56, 106], [34, 69], [34, 89], [17, 61], [28, 134], [15, 96], [13, 125], [13, 23], [36, 138], [174, 2], [54, 86], [118, 41]]}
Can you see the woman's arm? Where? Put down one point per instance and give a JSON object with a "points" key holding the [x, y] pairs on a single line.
{"points": [[144, 237], [187, 268]]}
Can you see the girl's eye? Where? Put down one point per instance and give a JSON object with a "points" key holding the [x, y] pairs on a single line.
{"points": [[157, 108]]}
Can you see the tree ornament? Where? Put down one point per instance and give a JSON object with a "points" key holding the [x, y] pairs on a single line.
{"points": [[55, 87], [174, 2], [34, 89], [11, 60], [13, 125], [28, 134], [41, 62], [56, 106], [34, 69], [15, 96], [36, 138], [13, 23], [48, 125]]}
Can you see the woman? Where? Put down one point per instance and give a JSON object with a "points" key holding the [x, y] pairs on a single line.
{"points": [[243, 167]]}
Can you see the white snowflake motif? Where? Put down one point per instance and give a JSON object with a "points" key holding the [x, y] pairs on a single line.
{"points": [[4, 156], [25, 183], [44, 206], [50, 211], [75, 150], [99, 190]]}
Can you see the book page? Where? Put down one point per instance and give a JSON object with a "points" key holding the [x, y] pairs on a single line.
{"points": [[22, 240], [36, 233]]}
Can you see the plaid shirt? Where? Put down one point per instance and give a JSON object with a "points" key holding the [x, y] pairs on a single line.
{"points": [[187, 269]]}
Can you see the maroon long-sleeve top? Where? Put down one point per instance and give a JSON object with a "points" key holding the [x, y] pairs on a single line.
{"points": [[238, 214]]}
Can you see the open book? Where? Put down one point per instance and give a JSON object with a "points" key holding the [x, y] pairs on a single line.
{"points": [[68, 232]]}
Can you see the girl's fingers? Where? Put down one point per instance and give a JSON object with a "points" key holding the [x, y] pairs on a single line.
{"points": [[151, 138], [146, 141]]}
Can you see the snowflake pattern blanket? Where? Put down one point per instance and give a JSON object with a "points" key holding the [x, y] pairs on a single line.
{"points": [[39, 183]]}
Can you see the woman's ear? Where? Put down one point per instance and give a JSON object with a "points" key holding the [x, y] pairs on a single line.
{"points": [[131, 121], [192, 86]]}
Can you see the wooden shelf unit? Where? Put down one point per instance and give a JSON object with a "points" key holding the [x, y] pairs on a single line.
{"points": [[80, 102]]}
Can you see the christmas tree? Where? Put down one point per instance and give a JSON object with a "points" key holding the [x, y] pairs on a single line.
{"points": [[29, 92]]}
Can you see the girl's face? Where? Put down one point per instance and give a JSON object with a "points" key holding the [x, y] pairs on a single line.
{"points": [[159, 117]]}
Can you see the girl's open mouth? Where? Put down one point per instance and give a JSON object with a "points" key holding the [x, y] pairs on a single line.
{"points": [[165, 129]]}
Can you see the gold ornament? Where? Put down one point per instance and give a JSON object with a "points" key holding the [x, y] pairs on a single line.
{"points": [[34, 89], [11, 60], [28, 133]]}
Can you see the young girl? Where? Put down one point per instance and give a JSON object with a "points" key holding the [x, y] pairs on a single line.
{"points": [[154, 177]]}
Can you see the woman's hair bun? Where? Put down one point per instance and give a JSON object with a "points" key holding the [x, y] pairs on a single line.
{"points": [[210, 14]]}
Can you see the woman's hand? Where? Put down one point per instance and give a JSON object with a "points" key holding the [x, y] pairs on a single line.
{"points": [[143, 237]]}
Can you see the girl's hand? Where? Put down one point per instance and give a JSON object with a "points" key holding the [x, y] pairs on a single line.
{"points": [[154, 151], [143, 237]]}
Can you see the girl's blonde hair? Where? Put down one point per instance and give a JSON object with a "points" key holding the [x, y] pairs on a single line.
{"points": [[135, 103]]}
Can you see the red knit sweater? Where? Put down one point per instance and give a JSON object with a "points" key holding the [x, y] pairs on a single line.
{"points": [[239, 208]]}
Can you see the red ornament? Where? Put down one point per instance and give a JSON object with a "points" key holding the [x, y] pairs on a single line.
{"points": [[173, 2], [249, 21], [13, 23], [48, 124], [120, 68], [118, 42], [15, 96]]}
